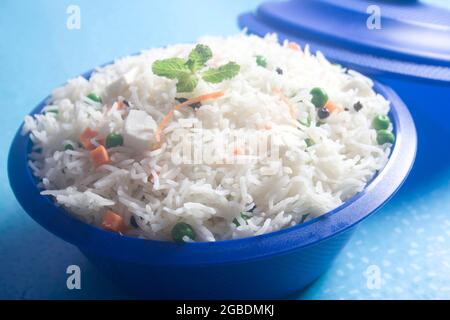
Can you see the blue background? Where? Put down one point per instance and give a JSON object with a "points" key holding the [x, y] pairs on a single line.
{"points": [[407, 244]]}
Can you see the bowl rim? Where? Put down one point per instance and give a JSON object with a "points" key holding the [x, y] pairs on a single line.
{"points": [[91, 239]]}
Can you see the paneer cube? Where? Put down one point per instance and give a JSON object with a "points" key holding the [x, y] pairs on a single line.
{"points": [[139, 131], [120, 87]]}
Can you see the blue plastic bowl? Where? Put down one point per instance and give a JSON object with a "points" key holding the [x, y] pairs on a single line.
{"points": [[273, 265]]}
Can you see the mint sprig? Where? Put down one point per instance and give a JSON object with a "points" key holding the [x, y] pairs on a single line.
{"points": [[225, 72], [187, 83], [185, 71], [198, 57], [173, 68]]}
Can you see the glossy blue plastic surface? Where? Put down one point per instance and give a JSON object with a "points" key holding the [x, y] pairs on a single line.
{"points": [[287, 260], [408, 31]]}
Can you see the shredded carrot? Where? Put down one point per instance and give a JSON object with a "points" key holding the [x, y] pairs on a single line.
{"points": [[287, 102], [86, 137], [294, 46], [169, 116], [265, 126], [208, 96], [111, 221], [101, 141], [332, 107], [238, 151], [99, 156], [162, 124], [151, 179], [120, 105]]}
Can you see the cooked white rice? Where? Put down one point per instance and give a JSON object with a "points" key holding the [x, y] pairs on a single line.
{"points": [[300, 184]]}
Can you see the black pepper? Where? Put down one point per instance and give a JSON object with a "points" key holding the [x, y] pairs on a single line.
{"points": [[194, 106], [323, 113], [357, 106], [133, 222]]}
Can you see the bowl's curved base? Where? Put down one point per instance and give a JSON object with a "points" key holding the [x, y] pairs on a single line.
{"points": [[273, 278]]}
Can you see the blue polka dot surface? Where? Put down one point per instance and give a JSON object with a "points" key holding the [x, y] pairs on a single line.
{"points": [[401, 252]]}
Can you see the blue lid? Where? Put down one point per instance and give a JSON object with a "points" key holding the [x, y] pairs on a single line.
{"points": [[403, 37]]}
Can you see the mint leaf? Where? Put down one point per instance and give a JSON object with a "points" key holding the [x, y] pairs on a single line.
{"points": [[185, 71], [244, 217], [261, 61], [198, 57], [306, 123], [309, 142], [173, 68], [216, 75], [187, 83]]}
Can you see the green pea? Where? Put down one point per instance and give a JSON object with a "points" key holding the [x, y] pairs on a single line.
{"points": [[261, 61], [319, 97], [309, 142], [384, 136], [381, 122], [94, 97], [113, 140], [181, 230], [68, 147], [244, 216]]}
